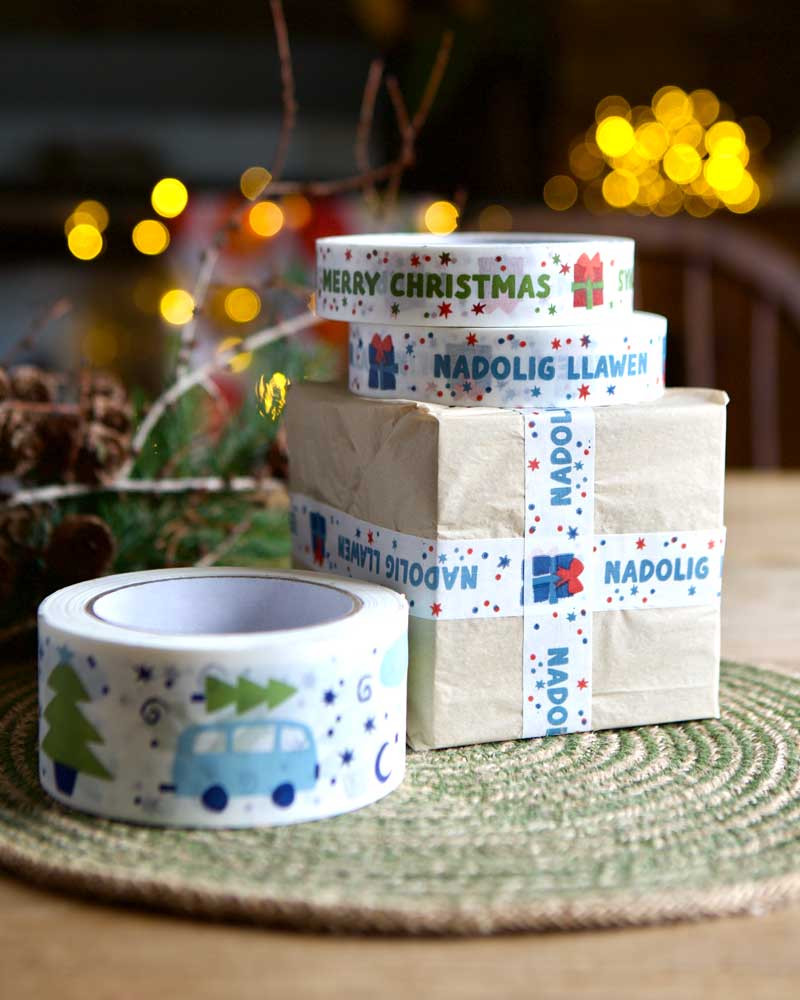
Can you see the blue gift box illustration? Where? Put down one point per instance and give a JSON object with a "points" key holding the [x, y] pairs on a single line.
{"points": [[382, 366], [556, 577], [318, 531]]}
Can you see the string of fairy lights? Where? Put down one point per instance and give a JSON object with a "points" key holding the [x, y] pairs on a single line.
{"points": [[681, 152]]}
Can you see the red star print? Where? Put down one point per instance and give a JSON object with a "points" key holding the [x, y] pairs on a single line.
{"points": [[436, 610], [348, 254], [472, 339], [369, 537], [565, 269], [711, 545], [445, 309], [445, 259], [583, 683], [640, 543], [533, 465], [478, 308], [555, 343], [415, 260], [583, 392]]}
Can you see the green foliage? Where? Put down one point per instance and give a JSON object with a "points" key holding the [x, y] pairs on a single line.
{"points": [[70, 732], [246, 694]]}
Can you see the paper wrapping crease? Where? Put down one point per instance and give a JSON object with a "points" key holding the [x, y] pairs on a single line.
{"points": [[455, 472]]}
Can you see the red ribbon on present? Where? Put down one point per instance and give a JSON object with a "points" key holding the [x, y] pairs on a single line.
{"points": [[569, 575], [381, 347]]}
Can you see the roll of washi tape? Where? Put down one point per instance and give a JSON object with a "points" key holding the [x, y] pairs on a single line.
{"points": [[475, 279], [222, 697], [571, 366]]}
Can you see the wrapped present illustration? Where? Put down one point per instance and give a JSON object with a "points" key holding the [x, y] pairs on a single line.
{"points": [[382, 366], [587, 285], [318, 531], [555, 577]]}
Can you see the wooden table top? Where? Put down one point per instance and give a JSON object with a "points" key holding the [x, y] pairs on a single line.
{"points": [[52, 945]]}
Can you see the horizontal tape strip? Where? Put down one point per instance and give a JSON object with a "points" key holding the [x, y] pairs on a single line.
{"points": [[572, 366], [475, 280], [222, 697], [483, 578]]}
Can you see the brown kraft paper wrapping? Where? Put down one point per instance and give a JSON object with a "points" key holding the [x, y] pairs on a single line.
{"points": [[456, 472]]}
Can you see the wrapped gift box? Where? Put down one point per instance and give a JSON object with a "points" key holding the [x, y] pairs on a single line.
{"points": [[382, 471]]}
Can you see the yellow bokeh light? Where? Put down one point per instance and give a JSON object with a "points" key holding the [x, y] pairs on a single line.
{"points": [[612, 106], [560, 193], [741, 193], [620, 188], [749, 204], [651, 188], [641, 114], [242, 305], [176, 306], [96, 211], [150, 237], [265, 218], [670, 202], [615, 136], [585, 161], [727, 135], [239, 362], [495, 219], [79, 218], [253, 181], [672, 107], [705, 106], [593, 199], [271, 394], [632, 160], [169, 197], [297, 211], [723, 173], [85, 241], [682, 163], [652, 140], [441, 218], [690, 134], [698, 207]]}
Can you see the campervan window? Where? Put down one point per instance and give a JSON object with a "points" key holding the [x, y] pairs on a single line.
{"points": [[294, 738], [254, 739], [209, 741]]}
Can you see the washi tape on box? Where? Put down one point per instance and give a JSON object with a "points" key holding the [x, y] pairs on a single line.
{"points": [[475, 279], [222, 697], [571, 366]]}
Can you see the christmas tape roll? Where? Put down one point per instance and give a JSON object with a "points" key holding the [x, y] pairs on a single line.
{"points": [[222, 697], [475, 279], [571, 366]]}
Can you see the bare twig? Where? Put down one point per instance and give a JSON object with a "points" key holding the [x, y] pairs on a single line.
{"points": [[288, 92], [51, 313], [190, 484], [212, 557], [195, 377], [364, 128], [208, 263], [434, 81]]}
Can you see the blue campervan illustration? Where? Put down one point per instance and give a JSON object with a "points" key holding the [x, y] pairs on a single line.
{"points": [[219, 760]]}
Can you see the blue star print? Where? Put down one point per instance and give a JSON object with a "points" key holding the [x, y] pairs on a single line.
{"points": [[610, 390], [358, 532], [540, 684], [634, 590], [467, 387], [536, 391], [143, 673], [409, 348], [571, 616], [347, 756], [443, 558], [572, 532], [329, 697], [504, 562], [65, 654], [578, 466], [394, 543], [692, 591], [369, 725]]}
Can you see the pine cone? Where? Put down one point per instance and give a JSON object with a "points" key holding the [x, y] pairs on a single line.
{"points": [[80, 548], [17, 525], [94, 384], [20, 443], [114, 413], [32, 385], [59, 436], [100, 453], [5, 385]]}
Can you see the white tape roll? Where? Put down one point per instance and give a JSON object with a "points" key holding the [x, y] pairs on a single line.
{"points": [[475, 279], [222, 697], [570, 366]]}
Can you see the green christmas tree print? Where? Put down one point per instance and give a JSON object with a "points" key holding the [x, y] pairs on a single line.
{"points": [[70, 733], [246, 694]]}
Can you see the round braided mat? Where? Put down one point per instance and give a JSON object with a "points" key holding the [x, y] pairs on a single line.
{"points": [[601, 829]]}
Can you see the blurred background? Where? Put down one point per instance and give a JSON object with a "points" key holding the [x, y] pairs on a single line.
{"points": [[675, 123]]}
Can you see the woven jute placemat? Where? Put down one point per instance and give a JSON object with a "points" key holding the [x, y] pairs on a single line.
{"points": [[597, 830]]}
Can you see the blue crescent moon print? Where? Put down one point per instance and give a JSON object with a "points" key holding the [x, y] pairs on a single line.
{"points": [[378, 773]]}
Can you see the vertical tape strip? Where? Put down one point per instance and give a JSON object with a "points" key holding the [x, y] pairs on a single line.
{"points": [[557, 571]]}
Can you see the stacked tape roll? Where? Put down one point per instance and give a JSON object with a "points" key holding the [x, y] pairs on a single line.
{"points": [[575, 365], [222, 697], [475, 279]]}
